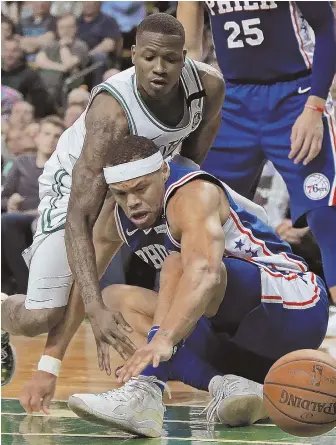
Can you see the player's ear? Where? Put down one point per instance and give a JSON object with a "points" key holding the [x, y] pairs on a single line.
{"points": [[184, 55], [133, 53], [165, 171]]}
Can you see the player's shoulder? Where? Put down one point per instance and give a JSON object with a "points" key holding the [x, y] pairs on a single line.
{"points": [[211, 77], [213, 83]]}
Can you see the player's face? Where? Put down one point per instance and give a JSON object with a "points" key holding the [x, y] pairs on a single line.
{"points": [[158, 60], [142, 198]]}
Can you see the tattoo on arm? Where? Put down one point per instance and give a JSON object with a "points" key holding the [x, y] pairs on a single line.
{"points": [[104, 127]]}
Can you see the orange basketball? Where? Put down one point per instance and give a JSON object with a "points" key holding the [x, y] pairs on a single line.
{"points": [[300, 393]]}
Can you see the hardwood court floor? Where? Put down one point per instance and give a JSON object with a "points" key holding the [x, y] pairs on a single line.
{"points": [[183, 422]]}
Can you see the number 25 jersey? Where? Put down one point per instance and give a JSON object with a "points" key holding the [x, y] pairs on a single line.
{"points": [[260, 41]]}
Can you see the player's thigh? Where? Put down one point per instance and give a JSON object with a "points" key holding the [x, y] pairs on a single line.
{"points": [[293, 315], [126, 299], [236, 157], [50, 278], [311, 186]]}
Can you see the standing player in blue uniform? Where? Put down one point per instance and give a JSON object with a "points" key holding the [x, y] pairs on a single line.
{"points": [[278, 60], [226, 264]]}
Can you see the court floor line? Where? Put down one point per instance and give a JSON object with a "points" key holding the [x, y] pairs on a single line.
{"points": [[185, 439], [70, 414]]}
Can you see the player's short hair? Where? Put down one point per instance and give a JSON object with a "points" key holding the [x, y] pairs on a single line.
{"points": [[161, 23], [53, 120], [132, 148]]}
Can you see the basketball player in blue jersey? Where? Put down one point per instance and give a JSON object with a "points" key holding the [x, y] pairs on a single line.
{"points": [[278, 60], [219, 261]]}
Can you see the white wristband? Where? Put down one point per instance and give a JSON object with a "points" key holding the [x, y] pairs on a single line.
{"points": [[49, 364]]}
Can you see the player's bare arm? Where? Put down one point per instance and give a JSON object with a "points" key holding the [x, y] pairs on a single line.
{"points": [[191, 15], [197, 225], [105, 125], [199, 142], [196, 214]]}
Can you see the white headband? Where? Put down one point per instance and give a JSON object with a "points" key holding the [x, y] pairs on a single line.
{"points": [[133, 169]]}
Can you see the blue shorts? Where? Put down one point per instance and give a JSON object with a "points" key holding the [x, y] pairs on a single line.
{"points": [[256, 126], [274, 324]]}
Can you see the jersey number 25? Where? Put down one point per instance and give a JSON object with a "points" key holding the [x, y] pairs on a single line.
{"points": [[249, 29]]}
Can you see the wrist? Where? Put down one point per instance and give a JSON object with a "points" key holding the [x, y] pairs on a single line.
{"points": [[50, 364], [94, 307], [315, 108], [316, 101]]}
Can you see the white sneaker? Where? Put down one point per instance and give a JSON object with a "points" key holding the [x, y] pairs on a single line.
{"points": [[331, 330], [135, 408], [236, 401]]}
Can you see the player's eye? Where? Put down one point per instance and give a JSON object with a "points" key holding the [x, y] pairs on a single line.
{"points": [[149, 58]]}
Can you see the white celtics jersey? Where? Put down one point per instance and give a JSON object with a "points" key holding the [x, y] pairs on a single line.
{"points": [[55, 182]]}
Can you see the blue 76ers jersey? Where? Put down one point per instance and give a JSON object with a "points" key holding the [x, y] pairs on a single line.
{"points": [[260, 40], [246, 235]]}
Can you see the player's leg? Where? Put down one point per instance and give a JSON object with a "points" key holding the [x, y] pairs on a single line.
{"points": [[236, 156], [312, 188], [49, 286]]}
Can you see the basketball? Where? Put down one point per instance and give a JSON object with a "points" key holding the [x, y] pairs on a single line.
{"points": [[300, 393]]}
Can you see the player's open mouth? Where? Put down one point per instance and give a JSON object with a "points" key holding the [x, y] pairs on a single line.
{"points": [[158, 83], [139, 217]]}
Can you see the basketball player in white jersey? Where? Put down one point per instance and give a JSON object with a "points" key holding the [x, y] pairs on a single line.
{"points": [[165, 97]]}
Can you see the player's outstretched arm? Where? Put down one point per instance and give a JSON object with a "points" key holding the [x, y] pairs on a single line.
{"points": [[199, 142], [191, 15], [106, 124], [196, 214]]}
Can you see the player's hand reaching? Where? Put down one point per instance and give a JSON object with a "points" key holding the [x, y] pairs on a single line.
{"points": [[110, 328], [306, 137], [38, 392], [158, 350]]}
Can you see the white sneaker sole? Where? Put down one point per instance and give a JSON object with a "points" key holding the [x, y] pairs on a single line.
{"points": [[148, 428], [241, 410]]}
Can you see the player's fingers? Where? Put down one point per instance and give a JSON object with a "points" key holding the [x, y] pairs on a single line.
{"points": [[296, 145], [122, 373], [314, 149], [25, 402], [35, 403], [122, 351], [100, 357], [122, 322], [106, 359], [46, 403], [304, 150], [293, 134], [156, 360]]}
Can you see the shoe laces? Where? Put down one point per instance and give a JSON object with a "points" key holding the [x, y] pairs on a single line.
{"points": [[135, 387], [4, 355], [224, 389]]}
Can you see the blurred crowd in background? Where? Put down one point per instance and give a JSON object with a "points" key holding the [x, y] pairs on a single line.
{"points": [[53, 54]]}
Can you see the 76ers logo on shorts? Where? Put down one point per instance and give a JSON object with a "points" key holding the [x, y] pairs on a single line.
{"points": [[316, 186]]}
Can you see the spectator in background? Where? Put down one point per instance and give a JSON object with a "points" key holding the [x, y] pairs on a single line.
{"points": [[72, 113], [128, 16], [79, 96], [20, 199], [22, 115], [102, 35], [63, 57], [16, 74], [61, 8], [9, 97], [7, 28], [37, 30]]}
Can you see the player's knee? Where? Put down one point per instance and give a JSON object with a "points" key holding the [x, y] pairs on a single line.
{"points": [[41, 321], [172, 263], [119, 297]]}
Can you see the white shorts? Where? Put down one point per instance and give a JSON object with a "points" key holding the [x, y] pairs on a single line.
{"points": [[50, 277]]}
